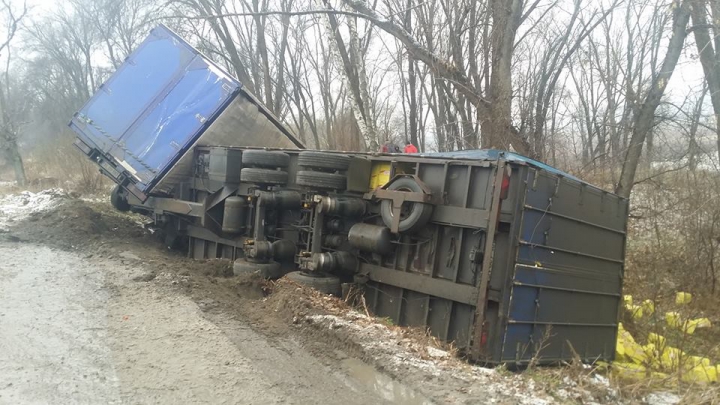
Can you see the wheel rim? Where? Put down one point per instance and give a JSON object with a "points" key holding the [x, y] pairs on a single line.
{"points": [[407, 206]]}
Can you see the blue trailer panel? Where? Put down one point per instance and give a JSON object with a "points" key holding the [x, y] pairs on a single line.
{"points": [[155, 107]]}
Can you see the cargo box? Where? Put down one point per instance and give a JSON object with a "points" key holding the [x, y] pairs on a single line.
{"points": [[163, 100]]}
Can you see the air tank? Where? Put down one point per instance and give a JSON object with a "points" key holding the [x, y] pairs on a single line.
{"points": [[370, 238], [343, 206], [234, 215]]}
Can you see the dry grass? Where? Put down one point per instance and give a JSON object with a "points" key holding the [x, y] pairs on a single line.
{"points": [[674, 245], [65, 167]]}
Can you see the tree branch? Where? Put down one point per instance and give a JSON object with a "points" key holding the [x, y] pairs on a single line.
{"points": [[266, 13]]}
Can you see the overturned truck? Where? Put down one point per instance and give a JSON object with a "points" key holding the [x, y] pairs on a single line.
{"points": [[506, 257]]}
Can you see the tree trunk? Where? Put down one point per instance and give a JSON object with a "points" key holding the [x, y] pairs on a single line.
{"points": [[261, 48], [354, 73], [644, 120], [497, 130], [708, 57], [693, 148], [368, 109], [13, 156], [280, 81], [412, 115]]}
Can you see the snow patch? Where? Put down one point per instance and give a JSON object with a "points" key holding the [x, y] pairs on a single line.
{"points": [[662, 398], [402, 355], [437, 353], [15, 207], [600, 380]]}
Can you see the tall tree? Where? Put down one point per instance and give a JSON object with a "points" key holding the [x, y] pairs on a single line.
{"points": [[645, 118], [709, 51], [10, 117]]}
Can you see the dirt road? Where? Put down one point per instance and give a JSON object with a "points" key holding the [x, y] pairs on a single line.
{"points": [[79, 329]]}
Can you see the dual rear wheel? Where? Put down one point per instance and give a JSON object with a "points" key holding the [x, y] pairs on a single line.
{"points": [[319, 170], [264, 167]]}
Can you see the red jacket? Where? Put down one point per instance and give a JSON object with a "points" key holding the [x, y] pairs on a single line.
{"points": [[410, 148]]}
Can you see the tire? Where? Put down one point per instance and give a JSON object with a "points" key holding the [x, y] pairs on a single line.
{"points": [[283, 250], [118, 201], [321, 180], [269, 159], [325, 283], [323, 161], [417, 214], [263, 176], [265, 270]]}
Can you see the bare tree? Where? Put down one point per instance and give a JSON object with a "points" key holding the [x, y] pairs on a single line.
{"points": [[443, 74], [645, 118], [223, 33], [354, 72], [119, 24], [10, 116], [709, 51]]}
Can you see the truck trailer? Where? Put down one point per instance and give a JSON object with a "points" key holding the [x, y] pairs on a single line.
{"points": [[508, 258]]}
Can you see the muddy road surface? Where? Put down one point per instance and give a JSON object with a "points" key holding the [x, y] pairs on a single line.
{"points": [[83, 328]]}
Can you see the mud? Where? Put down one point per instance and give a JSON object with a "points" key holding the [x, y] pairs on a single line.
{"points": [[81, 330], [74, 224], [53, 329], [387, 387]]}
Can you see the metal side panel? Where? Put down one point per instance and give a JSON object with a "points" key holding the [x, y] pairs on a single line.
{"points": [[432, 278], [446, 319], [566, 283], [201, 249]]}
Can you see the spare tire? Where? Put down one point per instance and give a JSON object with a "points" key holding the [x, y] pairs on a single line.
{"points": [[323, 282], [413, 215], [263, 176], [323, 161], [270, 159], [321, 180]]}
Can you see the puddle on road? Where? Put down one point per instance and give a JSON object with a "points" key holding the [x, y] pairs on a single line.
{"points": [[382, 384]]}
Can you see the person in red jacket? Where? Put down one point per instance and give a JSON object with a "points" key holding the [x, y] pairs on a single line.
{"points": [[410, 148]]}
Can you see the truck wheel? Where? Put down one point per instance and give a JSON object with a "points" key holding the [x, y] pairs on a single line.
{"points": [[263, 176], [321, 180], [270, 159], [413, 215], [283, 250], [323, 161], [265, 270], [118, 200], [323, 282]]}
